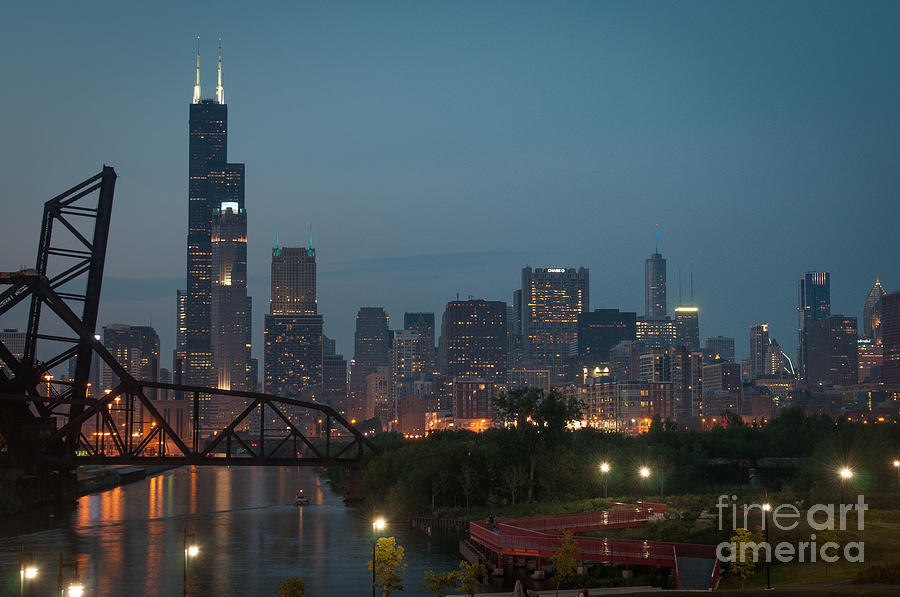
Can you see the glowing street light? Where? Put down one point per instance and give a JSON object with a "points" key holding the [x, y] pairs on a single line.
{"points": [[190, 551], [766, 508], [377, 525], [604, 468], [27, 569], [846, 474], [644, 472], [897, 468], [76, 590]]}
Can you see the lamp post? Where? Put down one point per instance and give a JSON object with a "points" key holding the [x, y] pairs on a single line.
{"points": [[766, 508], [846, 474], [75, 588], [644, 472], [190, 550], [377, 525], [604, 468], [897, 468], [27, 569]]}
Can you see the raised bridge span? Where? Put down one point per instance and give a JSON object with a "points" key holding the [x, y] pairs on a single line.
{"points": [[695, 566]]}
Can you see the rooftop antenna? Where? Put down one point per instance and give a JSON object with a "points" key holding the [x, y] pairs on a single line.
{"points": [[197, 76], [657, 239], [680, 301], [220, 86], [692, 284]]}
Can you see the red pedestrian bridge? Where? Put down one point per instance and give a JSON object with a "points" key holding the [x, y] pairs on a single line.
{"points": [[694, 566]]}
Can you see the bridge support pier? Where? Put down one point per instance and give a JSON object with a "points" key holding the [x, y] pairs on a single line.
{"points": [[353, 492]]}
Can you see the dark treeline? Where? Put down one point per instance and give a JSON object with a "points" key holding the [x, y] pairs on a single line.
{"points": [[539, 459]]}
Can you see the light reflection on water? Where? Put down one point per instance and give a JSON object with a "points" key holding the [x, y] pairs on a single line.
{"points": [[128, 540]]}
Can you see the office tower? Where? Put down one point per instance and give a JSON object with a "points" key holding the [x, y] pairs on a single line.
{"points": [[832, 355], [473, 340], [376, 386], [371, 350], [655, 333], [14, 341], [776, 363], [655, 365], [334, 381], [329, 346], [515, 322], [230, 336], [814, 304], [871, 359], [473, 404], [552, 299], [655, 306], [293, 333], [759, 345], [719, 348], [601, 329], [293, 281], [424, 324], [890, 339], [407, 365], [687, 327], [136, 348], [872, 313], [624, 360], [686, 374], [721, 377], [293, 354], [212, 182]]}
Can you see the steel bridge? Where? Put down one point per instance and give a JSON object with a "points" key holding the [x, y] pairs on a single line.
{"points": [[49, 426]]}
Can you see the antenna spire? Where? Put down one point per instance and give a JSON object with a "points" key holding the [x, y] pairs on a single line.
{"points": [[197, 76], [220, 86], [657, 238], [692, 284]]}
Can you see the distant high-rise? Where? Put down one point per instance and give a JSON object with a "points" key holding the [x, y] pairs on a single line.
{"points": [[552, 299], [687, 327], [890, 335], [212, 182], [656, 333], [601, 329], [473, 340], [230, 336], [814, 304], [759, 346], [832, 352], [872, 313], [371, 351], [424, 324], [719, 348], [14, 341], [293, 281], [136, 348], [655, 306]]}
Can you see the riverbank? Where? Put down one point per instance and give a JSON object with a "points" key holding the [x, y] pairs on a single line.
{"points": [[97, 477]]}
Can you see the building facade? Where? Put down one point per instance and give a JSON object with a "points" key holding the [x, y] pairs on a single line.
{"points": [[230, 303], [813, 304], [473, 340]]}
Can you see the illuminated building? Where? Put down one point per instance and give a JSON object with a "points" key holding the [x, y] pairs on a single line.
{"points": [[814, 304], [759, 345], [655, 333], [890, 335], [601, 329], [655, 306], [293, 281], [552, 300], [424, 324], [408, 364], [473, 340], [721, 377], [334, 381], [871, 359], [719, 348], [528, 378], [872, 313], [687, 327], [136, 348], [654, 365], [832, 355], [14, 341], [473, 401], [229, 317], [212, 181], [686, 374], [624, 360], [371, 351]]}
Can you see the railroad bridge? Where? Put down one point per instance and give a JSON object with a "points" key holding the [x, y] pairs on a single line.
{"points": [[49, 426]]}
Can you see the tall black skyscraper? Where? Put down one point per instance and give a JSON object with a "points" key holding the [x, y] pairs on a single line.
{"points": [[813, 304], [655, 306], [212, 182]]}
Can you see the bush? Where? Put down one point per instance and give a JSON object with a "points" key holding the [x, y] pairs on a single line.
{"points": [[887, 574]]}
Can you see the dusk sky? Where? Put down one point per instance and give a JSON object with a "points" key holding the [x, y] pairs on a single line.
{"points": [[437, 148]]}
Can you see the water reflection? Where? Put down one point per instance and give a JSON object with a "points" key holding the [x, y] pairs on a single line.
{"points": [[128, 540]]}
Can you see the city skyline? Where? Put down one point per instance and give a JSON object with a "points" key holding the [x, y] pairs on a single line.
{"points": [[453, 253]]}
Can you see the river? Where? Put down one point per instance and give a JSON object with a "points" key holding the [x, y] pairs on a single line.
{"points": [[128, 540]]}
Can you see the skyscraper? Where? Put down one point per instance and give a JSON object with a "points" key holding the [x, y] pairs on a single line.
{"points": [[601, 329], [371, 350], [552, 299], [890, 321], [473, 340], [293, 330], [424, 324], [136, 348], [832, 353], [687, 327], [212, 182], [872, 313], [814, 304], [230, 333], [759, 346], [655, 306], [719, 348]]}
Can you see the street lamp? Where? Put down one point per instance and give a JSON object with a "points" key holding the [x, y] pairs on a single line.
{"points": [[75, 588], [604, 468], [27, 569], [846, 474], [897, 468], [190, 551], [644, 472], [377, 525], [766, 508]]}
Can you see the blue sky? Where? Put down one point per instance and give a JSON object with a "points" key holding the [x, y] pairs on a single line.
{"points": [[438, 147]]}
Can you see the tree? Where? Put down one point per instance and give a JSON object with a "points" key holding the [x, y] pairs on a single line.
{"points": [[513, 477], [389, 565], [742, 564], [827, 536], [291, 587], [467, 481], [564, 559], [470, 577], [439, 582]]}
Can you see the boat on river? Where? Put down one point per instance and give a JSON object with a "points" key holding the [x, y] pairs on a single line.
{"points": [[300, 499]]}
